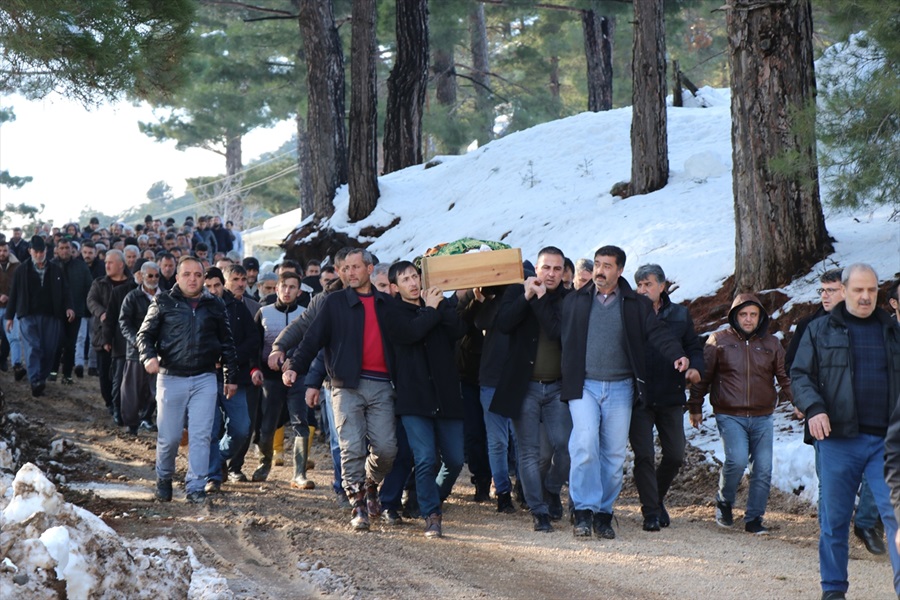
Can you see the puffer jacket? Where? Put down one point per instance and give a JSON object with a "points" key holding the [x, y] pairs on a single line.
{"points": [[740, 368], [188, 341], [823, 370], [271, 320]]}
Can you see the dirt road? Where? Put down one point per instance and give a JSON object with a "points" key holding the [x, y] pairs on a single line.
{"points": [[274, 542]]}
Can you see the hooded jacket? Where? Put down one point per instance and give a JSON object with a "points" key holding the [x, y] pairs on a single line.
{"points": [[741, 367]]}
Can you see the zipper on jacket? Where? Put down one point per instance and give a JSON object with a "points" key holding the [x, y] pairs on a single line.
{"points": [[747, 387]]}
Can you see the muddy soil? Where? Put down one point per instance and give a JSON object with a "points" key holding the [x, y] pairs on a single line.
{"points": [[274, 542]]}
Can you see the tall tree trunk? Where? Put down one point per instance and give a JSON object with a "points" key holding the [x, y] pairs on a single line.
{"points": [[304, 170], [444, 76], [325, 118], [363, 112], [554, 78], [649, 143], [598, 32], [234, 167], [779, 226], [484, 110], [406, 88]]}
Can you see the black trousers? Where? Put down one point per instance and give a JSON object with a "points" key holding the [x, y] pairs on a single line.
{"points": [[653, 483], [104, 370], [65, 354]]}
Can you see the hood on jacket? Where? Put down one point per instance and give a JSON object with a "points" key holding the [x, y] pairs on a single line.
{"points": [[740, 301]]}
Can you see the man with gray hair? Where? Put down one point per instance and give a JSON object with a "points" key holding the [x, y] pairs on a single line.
{"points": [[359, 361], [663, 404], [584, 272], [846, 380], [132, 253], [138, 387]]}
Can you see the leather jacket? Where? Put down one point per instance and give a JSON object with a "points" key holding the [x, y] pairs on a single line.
{"points": [[741, 368], [188, 341]]}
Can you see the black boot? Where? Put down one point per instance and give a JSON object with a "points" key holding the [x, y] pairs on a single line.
{"points": [[482, 490], [582, 527], [504, 503], [603, 526]]}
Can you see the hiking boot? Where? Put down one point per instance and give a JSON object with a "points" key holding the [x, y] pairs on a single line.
{"points": [[238, 477], [756, 526], [213, 486], [19, 372], [391, 517], [164, 490], [603, 526], [262, 472], [724, 518], [482, 490], [433, 526], [664, 519], [79, 371], [198, 497], [504, 503], [542, 522], [554, 506], [582, 526], [373, 504]]}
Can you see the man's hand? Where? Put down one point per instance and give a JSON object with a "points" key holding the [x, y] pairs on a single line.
{"points": [[9, 325], [798, 415], [682, 364], [696, 419], [897, 540], [152, 366], [256, 377], [107, 347], [276, 358], [819, 426], [4, 298], [312, 397], [433, 297], [479, 294], [531, 286], [230, 389], [102, 317], [288, 378], [70, 315], [692, 376]]}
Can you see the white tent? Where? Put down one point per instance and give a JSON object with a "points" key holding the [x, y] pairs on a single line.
{"points": [[272, 232]]}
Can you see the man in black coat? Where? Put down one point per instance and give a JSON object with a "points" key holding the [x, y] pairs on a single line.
{"points": [[423, 328], [530, 383], [41, 300], [138, 387], [663, 405], [78, 279]]}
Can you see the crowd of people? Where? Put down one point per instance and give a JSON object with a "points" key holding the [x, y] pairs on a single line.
{"points": [[543, 383]]}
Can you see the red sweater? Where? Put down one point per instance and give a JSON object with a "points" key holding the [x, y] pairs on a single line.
{"points": [[373, 361]]}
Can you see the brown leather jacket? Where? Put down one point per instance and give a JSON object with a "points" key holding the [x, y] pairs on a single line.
{"points": [[6, 276], [740, 368]]}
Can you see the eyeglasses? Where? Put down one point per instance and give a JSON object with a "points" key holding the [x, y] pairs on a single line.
{"points": [[828, 291]]}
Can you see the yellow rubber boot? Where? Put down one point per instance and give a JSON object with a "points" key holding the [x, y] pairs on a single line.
{"points": [[278, 445], [310, 463]]}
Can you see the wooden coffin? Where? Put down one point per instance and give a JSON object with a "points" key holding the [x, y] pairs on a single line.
{"points": [[478, 269]]}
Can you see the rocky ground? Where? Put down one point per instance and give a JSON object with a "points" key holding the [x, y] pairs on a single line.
{"points": [[273, 542]]}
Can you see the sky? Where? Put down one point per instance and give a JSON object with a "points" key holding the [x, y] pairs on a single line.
{"points": [[99, 158]]}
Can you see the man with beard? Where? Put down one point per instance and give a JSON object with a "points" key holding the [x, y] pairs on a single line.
{"points": [[138, 387]]}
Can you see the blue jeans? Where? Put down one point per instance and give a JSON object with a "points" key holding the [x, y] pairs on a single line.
{"points": [[600, 421], [747, 440], [333, 442], [498, 430], [427, 437], [81, 342], [16, 352], [843, 462], [232, 413], [40, 333], [391, 493], [180, 401], [542, 405]]}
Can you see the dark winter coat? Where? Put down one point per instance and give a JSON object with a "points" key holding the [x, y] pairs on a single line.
{"points": [[468, 349], [496, 343], [802, 324], [79, 279], [892, 458], [246, 337], [21, 291], [642, 329], [112, 333], [522, 321], [665, 385], [131, 317], [822, 372], [98, 300], [188, 341], [224, 241], [424, 339], [339, 329]]}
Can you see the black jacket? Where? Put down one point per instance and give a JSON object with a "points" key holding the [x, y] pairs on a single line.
{"points": [[642, 328], [665, 385], [892, 458], [423, 339], [339, 329], [20, 290], [79, 280], [98, 300], [802, 324], [131, 316], [188, 341], [468, 349], [522, 321], [246, 337], [112, 333], [822, 373], [496, 344]]}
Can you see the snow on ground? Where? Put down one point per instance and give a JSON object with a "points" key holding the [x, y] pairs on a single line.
{"points": [[51, 545]]}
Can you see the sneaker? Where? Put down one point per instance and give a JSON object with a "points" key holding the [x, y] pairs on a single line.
{"points": [[79, 371], [664, 519], [542, 522], [164, 490], [148, 426], [213, 486], [724, 517], [504, 503], [373, 504], [433, 526], [603, 526], [238, 477], [52, 376], [391, 517], [262, 472], [582, 525], [359, 519], [198, 497], [19, 372], [756, 526], [67, 380], [554, 506]]}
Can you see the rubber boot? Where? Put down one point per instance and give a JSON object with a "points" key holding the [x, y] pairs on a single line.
{"points": [[299, 481], [265, 463], [278, 445], [310, 463]]}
